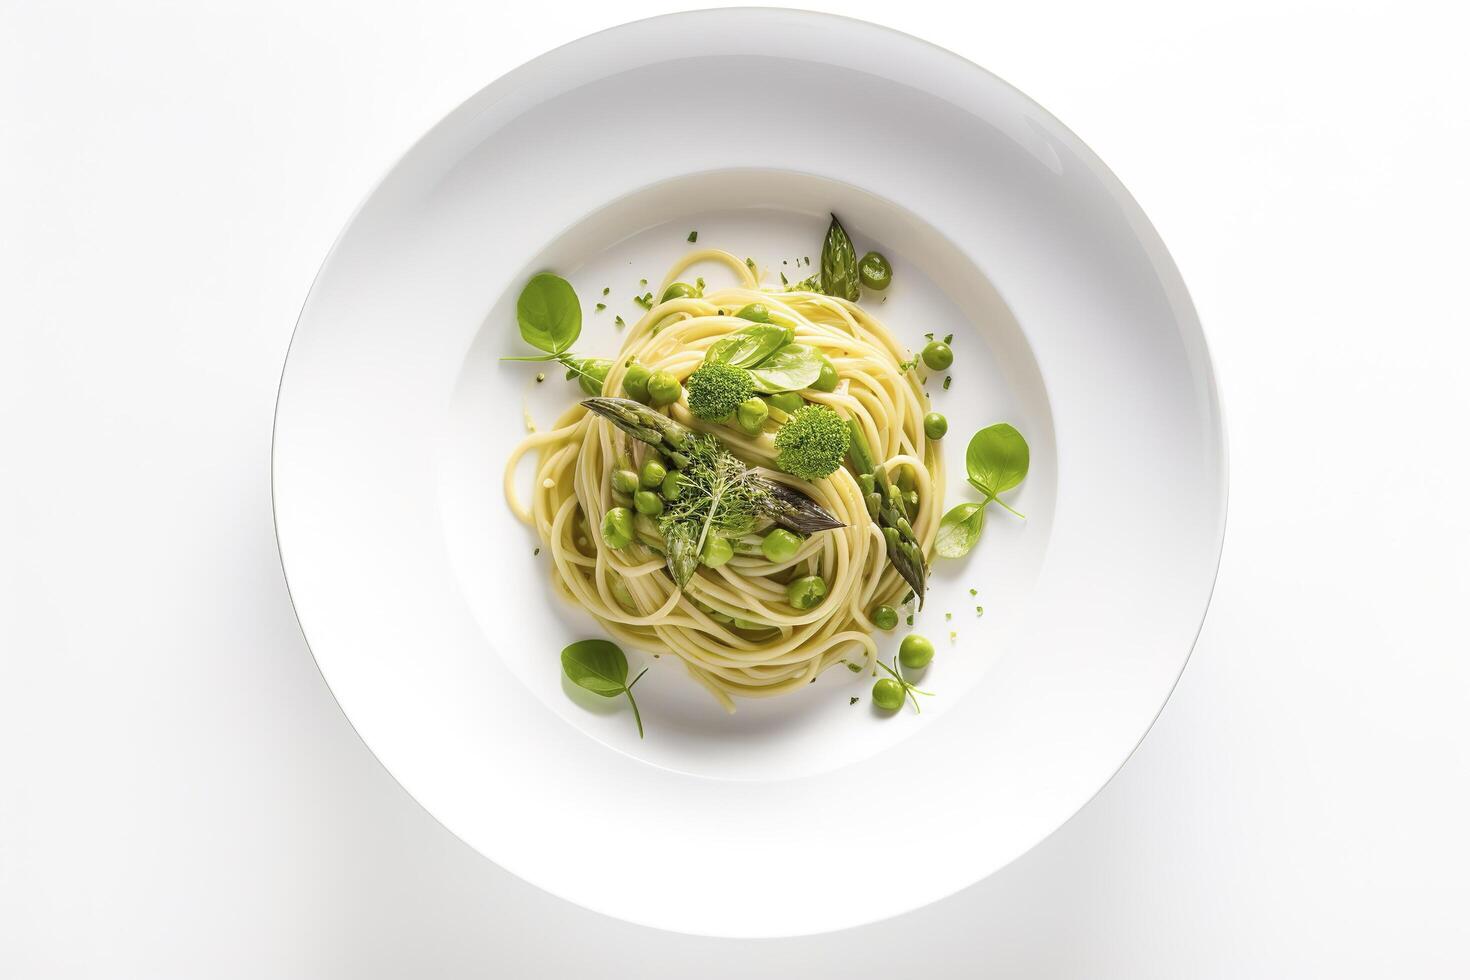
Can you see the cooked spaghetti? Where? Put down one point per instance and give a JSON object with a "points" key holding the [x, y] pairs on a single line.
{"points": [[733, 624]]}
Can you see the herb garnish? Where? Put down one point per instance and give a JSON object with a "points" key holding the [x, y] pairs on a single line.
{"points": [[997, 460], [550, 318], [694, 236], [599, 666]]}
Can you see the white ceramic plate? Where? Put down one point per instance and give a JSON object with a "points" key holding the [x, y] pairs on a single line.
{"points": [[433, 621]]}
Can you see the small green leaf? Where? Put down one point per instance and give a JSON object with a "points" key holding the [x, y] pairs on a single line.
{"points": [[791, 368], [597, 666], [750, 345], [839, 263], [997, 459], [549, 313], [959, 530]]}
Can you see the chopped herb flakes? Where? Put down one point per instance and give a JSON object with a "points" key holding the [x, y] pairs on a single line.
{"points": [[979, 610], [536, 552], [645, 301], [618, 322], [949, 338], [948, 616], [928, 336], [851, 702], [783, 279], [694, 236], [601, 307], [643, 282], [947, 380], [540, 376], [973, 592], [606, 290], [855, 668], [952, 636]]}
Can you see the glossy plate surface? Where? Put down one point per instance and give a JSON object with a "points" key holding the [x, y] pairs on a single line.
{"points": [[434, 623]]}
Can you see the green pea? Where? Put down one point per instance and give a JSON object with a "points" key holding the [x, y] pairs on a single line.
{"points": [[663, 389], [888, 694], [679, 290], [915, 651], [617, 528], [806, 592], [652, 474], [885, 617], [755, 312], [591, 373], [623, 594], [786, 401], [648, 503], [937, 355], [781, 545], [624, 481], [635, 382], [935, 425], [716, 551], [673, 484], [751, 415], [874, 271], [827, 380]]}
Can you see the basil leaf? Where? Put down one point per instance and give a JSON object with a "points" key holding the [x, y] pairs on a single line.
{"points": [[549, 313], [791, 368], [750, 345], [839, 263], [997, 459], [597, 666], [959, 530]]}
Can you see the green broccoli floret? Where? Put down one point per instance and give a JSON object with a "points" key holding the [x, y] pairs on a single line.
{"points": [[813, 443], [716, 389]]}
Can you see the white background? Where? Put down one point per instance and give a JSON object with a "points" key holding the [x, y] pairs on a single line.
{"points": [[181, 797]]}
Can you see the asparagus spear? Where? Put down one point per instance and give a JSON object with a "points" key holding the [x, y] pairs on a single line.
{"points": [[885, 506], [787, 506]]}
